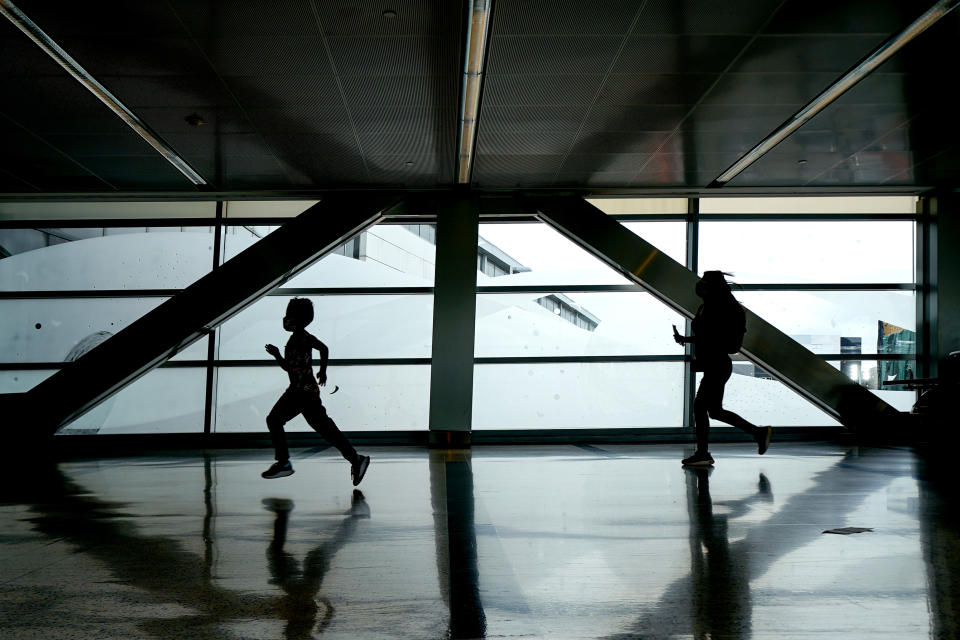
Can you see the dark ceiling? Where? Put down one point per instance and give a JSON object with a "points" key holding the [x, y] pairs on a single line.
{"points": [[300, 95]]}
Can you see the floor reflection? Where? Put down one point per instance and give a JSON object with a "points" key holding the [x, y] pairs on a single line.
{"points": [[715, 600], [940, 539], [451, 494], [301, 606], [64, 510], [609, 542], [720, 575]]}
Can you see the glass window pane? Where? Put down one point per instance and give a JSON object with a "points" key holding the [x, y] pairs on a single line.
{"points": [[63, 329], [578, 396], [761, 399], [355, 326], [829, 251], [538, 255], [166, 400], [104, 258], [813, 204], [528, 324], [669, 237], [627, 206], [872, 373], [368, 398], [387, 255], [840, 321], [19, 381]]}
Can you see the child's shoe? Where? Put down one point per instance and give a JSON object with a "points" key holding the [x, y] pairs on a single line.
{"points": [[278, 470], [698, 459], [359, 468]]}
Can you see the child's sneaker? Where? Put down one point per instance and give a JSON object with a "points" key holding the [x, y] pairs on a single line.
{"points": [[698, 459], [278, 470], [359, 468], [763, 439]]}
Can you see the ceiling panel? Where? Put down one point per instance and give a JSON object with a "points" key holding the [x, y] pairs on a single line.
{"points": [[105, 18], [41, 165], [678, 53], [513, 17], [208, 20], [834, 54], [396, 18], [590, 142], [567, 55], [529, 89], [524, 142], [847, 17], [682, 169], [705, 17], [654, 88]]}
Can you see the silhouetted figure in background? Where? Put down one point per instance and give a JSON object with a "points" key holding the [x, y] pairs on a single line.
{"points": [[718, 330], [303, 394]]}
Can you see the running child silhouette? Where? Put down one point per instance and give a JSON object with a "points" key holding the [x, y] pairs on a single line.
{"points": [[718, 330], [303, 394]]}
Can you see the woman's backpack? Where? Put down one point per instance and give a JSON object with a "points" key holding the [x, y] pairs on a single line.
{"points": [[736, 327]]}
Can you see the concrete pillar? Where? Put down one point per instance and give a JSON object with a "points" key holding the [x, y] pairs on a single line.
{"points": [[454, 320]]}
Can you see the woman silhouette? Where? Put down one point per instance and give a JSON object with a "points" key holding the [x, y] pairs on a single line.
{"points": [[718, 330]]}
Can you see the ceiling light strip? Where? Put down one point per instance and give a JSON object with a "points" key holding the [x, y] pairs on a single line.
{"points": [[52, 49], [838, 88], [473, 67]]}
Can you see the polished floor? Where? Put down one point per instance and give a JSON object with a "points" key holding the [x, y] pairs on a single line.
{"points": [[501, 542]]}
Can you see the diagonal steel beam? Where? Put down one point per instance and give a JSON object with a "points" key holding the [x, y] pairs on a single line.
{"points": [[673, 284], [199, 308]]}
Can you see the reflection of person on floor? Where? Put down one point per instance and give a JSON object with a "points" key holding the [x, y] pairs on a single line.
{"points": [[721, 576], [300, 606], [718, 330], [303, 394]]}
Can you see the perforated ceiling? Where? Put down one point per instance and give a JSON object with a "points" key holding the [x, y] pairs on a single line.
{"points": [[299, 95]]}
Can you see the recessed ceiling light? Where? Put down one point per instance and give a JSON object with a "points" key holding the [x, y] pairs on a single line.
{"points": [[195, 120], [801, 162], [389, 14], [409, 163]]}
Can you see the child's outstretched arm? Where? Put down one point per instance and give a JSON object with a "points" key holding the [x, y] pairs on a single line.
{"points": [[272, 350]]}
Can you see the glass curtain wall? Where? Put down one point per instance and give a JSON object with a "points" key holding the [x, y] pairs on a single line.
{"points": [[373, 308], [565, 342], [562, 341], [838, 275], [72, 276]]}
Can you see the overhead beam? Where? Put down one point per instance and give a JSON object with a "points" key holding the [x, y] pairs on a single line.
{"points": [[673, 284], [195, 311]]}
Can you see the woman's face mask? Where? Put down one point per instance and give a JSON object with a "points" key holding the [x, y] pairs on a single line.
{"points": [[288, 324]]}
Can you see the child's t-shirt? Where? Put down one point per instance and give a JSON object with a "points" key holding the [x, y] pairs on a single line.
{"points": [[298, 356]]}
